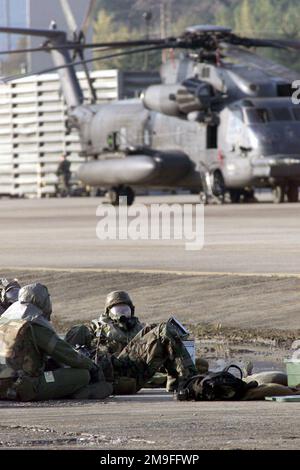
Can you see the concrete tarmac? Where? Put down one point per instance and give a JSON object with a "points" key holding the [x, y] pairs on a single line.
{"points": [[254, 238], [150, 420]]}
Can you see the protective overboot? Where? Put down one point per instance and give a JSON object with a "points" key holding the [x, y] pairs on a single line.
{"points": [[95, 391]]}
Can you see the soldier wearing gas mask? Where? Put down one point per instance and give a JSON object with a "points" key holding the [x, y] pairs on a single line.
{"points": [[118, 331], [113, 330]]}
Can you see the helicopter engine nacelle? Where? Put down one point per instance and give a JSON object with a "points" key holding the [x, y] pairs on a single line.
{"points": [[162, 98], [179, 100]]}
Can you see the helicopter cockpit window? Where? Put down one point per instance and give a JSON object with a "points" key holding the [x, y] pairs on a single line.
{"points": [[281, 114], [257, 115]]}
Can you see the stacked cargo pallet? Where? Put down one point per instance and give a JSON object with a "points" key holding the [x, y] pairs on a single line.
{"points": [[33, 131]]}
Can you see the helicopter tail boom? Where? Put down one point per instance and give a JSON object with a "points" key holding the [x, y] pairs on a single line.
{"points": [[61, 57]]}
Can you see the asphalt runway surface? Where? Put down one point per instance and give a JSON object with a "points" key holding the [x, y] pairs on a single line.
{"points": [[150, 420], [246, 277], [61, 233]]}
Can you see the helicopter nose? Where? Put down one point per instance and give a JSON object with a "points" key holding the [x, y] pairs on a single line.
{"points": [[135, 169]]}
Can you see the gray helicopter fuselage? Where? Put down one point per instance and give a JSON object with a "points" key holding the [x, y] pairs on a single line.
{"points": [[209, 119], [175, 134], [246, 148]]}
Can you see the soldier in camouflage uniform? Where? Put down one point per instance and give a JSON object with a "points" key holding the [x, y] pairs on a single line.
{"points": [[27, 338], [9, 291], [113, 330]]}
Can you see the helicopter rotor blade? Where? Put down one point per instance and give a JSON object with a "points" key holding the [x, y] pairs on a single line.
{"points": [[206, 41], [253, 42], [44, 33], [80, 62], [263, 42], [97, 46], [267, 65], [72, 25], [133, 43], [287, 43], [47, 48]]}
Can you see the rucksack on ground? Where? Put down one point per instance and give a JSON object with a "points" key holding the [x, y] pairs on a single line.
{"points": [[215, 386]]}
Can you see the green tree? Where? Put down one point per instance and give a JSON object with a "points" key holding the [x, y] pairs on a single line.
{"points": [[15, 63], [106, 29], [268, 18]]}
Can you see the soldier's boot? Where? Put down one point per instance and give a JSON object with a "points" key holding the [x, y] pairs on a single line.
{"points": [[151, 350]]}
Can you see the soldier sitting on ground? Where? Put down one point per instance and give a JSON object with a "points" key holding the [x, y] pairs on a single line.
{"points": [[27, 337], [113, 330], [9, 291]]}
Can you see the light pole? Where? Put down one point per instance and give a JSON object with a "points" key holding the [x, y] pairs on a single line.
{"points": [[147, 15]]}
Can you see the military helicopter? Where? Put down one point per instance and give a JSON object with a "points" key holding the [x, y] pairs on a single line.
{"points": [[221, 122]]}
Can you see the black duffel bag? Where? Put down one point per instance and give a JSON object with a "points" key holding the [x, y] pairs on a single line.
{"points": [[215, 386]]}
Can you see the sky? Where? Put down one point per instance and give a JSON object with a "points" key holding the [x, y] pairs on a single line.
{"points": [[12, 13]]}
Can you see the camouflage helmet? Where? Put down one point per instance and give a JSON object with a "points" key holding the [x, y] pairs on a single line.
{"points": [[118, 297]]}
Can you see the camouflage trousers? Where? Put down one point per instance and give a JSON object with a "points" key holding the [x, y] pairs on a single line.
{"points": [[65, 383], [145, 354]]}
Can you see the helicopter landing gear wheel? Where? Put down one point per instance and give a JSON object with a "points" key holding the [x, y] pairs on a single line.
{"points": [[218, 186], [293, 193], [249, 196], [114, 194], [235, 196], [278, 194], [129, 193]]}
